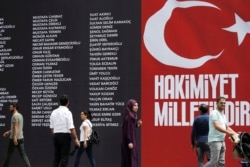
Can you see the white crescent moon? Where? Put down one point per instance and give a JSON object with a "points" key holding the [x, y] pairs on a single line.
{"points": [[154, 36]]}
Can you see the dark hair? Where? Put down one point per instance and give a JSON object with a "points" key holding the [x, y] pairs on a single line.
{"points": [[14, 105], [219, 98], [203, 108], [64, 100], [88, 114]]}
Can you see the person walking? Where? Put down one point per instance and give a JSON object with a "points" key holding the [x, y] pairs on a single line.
{"points": [[129, 143], [62, 128], [85, 145], [15, 134], [218, 129], [199, 135]]}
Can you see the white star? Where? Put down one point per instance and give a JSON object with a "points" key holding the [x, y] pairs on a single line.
{"points": [[241, 27]]}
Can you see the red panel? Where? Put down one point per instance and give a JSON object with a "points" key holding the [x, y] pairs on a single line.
{"points": [[175, 82]]}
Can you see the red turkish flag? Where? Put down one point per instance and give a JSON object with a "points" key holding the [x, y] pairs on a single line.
{"points": [[192, 53]]}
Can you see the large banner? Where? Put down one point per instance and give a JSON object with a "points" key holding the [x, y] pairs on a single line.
{"points": [[88, 49], [192, 53], [169, 55]]}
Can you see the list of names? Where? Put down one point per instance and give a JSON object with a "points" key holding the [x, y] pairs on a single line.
{"points": [[6, 55], [46, 75], [104, 80], [5, 51]]}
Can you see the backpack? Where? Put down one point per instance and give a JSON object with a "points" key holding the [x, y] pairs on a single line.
{"points": [[94, 137], [242, 148]]}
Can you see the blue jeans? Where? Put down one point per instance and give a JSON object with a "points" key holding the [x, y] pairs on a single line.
{"points": [[218, 149], [202, 149], [20, 147], [81, 149]]}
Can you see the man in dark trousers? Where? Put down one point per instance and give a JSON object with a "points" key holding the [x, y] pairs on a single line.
{"points": [[15, 135], [62, 128], [199, 135]]}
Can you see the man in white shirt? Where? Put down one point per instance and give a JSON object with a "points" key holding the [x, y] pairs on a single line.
{"points": [[62, 128], [218, 129]]}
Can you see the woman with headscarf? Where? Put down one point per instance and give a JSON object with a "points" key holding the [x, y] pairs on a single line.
{"points": [[129, 146]]}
